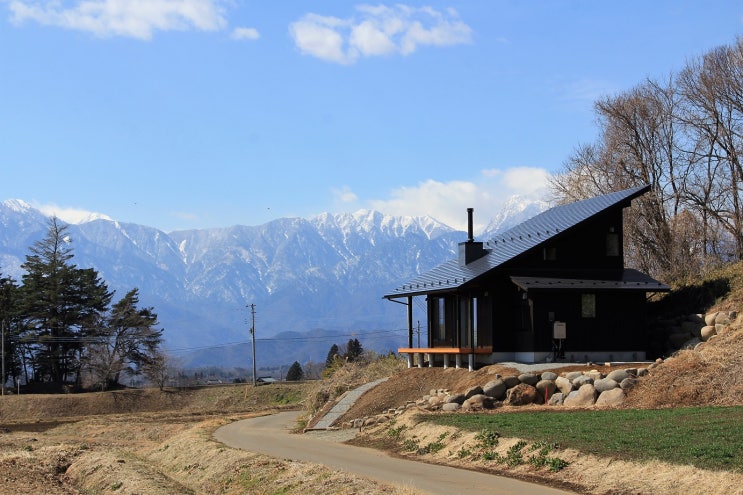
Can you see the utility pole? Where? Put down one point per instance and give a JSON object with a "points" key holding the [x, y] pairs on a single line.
{"points": [[252, 335], [2, 337], [419, 334]]}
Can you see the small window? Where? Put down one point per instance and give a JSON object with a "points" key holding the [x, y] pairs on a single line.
{"points": [[588, 306], [550, 253], [612, 244]]}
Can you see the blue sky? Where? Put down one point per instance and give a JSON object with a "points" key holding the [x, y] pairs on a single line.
{"points": [[183, 114]]}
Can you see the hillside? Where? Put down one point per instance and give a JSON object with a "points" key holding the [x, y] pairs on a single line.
{"points": [[703, 375]]}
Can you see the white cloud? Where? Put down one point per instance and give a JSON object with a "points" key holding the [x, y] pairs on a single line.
{"points": [[129, 18], [376, 31], [448, 201], [245, 34], [317, 36], [70, 215], [344, 195]]}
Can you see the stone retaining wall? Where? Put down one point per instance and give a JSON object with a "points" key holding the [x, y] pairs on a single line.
{"points": [[571, 389]]}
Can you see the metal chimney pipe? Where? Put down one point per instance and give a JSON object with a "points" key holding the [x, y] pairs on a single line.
{"points": [[470, 230]]}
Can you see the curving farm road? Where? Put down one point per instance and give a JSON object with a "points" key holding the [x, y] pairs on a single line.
{"points": [[270, 435]]}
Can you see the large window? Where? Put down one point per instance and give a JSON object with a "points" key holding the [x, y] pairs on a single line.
{"points": [[438, 320], [467, 321]]}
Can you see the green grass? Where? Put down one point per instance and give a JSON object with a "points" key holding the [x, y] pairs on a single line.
{"points": [[705, 437]]}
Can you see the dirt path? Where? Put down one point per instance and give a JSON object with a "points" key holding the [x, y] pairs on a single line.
{"points": [[270, 435]]}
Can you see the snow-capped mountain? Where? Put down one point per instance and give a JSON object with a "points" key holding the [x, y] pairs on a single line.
{"points": [[303, 275], [515, 210]]}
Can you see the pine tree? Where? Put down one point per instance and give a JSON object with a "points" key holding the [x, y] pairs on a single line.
{"points": [[295, 372], [9, 321], [62, 306], [333, 354], [128, 341], [353, 350]]}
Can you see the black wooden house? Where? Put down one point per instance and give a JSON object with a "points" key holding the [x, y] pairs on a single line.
{"points": [[553, 287]]}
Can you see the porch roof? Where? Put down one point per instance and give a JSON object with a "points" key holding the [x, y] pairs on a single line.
{"points": [[514, 242], [630, 280]]}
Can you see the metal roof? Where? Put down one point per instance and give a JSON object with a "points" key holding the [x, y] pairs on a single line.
{"points": [[515, 241], [630, 280]]}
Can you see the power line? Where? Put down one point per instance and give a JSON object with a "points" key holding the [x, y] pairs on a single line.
{"points": [[324, 338]]}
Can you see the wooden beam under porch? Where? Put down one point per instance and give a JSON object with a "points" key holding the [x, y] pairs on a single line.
{"points": [[418, 354]]}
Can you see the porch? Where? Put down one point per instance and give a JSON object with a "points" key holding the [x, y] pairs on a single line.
{"points": [[417, 355]]}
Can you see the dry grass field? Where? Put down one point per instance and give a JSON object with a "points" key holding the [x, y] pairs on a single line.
{"points": [[151, 442]]}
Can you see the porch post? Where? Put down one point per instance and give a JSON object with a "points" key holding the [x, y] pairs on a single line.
{"points": [[410, 321], [446, 361]]}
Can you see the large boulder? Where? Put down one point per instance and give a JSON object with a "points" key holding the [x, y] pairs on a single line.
{"points": [[472, 391], [612, 397], [480, 401], [511, 381], [521, 395], [595, 375], [708, 332], [455, 399], [565, 385], [573, 375], [546, 388], [495, 389], [529, 378], [605, 384], [450, 407], [557, 399], [618, 375], [583, 397], [582, 380], [722, 319], [549, 375]]}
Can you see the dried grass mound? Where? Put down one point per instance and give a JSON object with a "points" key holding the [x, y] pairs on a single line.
{"points": [[709, 375]]}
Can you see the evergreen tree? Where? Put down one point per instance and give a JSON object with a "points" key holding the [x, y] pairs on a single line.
{"points": [[333, 354], [353, 350], [9, 322], [61, 304], [295, 372], [128, 341]]}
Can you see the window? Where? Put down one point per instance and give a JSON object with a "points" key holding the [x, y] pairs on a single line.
{"points": [[588, 305], [612, 243], [550, 253], [438, 319], [465, 321]]}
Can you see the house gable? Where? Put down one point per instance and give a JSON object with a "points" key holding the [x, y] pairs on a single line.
{"points": [[565, 265], [544, 231]]}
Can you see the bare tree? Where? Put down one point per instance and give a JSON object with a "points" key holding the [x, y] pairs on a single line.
{"points": [[713, 87]]}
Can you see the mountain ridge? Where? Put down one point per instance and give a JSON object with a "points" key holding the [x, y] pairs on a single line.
{"points": [[325, 272]]}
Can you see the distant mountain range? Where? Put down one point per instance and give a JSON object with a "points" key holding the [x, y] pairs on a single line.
{"points": [[314, 282]]}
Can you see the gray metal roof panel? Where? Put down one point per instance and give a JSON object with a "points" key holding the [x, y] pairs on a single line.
{"points": [[514, 242]]}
